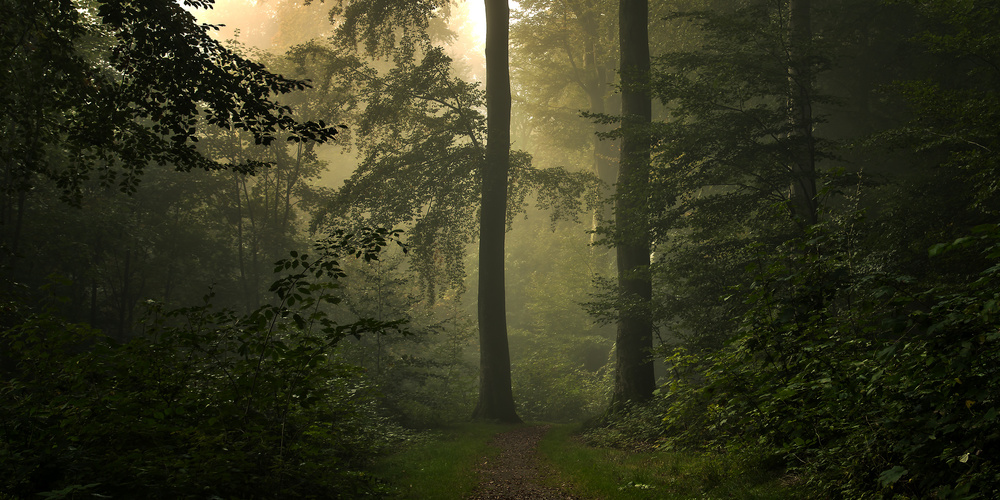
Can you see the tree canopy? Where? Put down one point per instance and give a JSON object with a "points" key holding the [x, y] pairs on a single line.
{"points": [[210, 288]]}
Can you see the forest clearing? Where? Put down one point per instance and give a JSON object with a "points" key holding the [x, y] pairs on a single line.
{"points": [[577, 249]]}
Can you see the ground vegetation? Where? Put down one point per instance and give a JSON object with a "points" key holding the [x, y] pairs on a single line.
{"points": [[210, 288]]}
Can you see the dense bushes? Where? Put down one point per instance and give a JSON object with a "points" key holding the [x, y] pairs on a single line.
{"points": [[840, 349], [859, 380], [205, 404], [554, 386]]}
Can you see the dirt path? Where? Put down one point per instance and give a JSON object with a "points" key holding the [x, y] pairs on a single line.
{"points": [[515, 474]]}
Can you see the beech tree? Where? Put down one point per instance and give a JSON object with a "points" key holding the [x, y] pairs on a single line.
{"points": [[97, 96], [737, 159], [496, 401], [128, 83], [425, 165], [634, 377], [566, 56]]}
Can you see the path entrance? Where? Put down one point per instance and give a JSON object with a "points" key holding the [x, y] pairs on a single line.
{"points": [[515, 474]]}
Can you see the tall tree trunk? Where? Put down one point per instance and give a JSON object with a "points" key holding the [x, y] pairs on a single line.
{"points": [[605, 167], [605, 151], [803, 167], [634, 378], [496, 401], [593, 77], [596, 83]]}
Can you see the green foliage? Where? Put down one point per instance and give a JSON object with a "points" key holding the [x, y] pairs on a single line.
{"points": [[722, 165], [633, 427], [102, 89], [421, 142], [846, 353], [552, 383], [561, 369], [858, 379], [73, 132], [954, 111], [626, 472], [439, 465], [386, 28], [564, 57], [184, 231], [205, 403], [425, 379]]}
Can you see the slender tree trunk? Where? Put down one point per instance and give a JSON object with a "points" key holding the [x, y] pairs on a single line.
{"points": [[803, 167], [597, 85], [605, 150], [496, 400], [634, 377], [605, 167], [595, 82], [240, 247], [124, 298]]}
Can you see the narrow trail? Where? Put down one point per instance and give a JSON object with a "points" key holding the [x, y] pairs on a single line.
{"points": [[515, 474]]}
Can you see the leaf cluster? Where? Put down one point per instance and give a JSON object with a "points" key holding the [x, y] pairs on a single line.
{"points": [[843, 352], [207, 402], [860, 380], [118, 85]]}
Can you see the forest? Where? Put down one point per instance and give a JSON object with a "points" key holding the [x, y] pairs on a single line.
{"points": [[262, 249]]}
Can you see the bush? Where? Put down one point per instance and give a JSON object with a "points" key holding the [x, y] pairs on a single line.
{"points": [[205, 404], [866, 387], [632, 427]]}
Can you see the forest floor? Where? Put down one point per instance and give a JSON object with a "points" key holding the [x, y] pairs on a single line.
{"points": [[480, 461], [515, 473]]}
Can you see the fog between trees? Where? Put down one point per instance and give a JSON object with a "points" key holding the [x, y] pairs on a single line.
{"points": [[265, 239]]}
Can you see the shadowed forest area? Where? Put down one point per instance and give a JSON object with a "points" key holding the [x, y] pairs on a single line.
{"points": [[256, 249]]}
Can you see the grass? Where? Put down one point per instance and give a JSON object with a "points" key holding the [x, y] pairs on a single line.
{"points": [[618, 474], [441, 467]]}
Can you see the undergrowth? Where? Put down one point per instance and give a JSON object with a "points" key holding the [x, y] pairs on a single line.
{"points": [[439, 465], [610, 462]]}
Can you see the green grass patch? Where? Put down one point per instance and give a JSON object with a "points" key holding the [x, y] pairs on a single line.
{"points": [[619, 474], [441, 466]]}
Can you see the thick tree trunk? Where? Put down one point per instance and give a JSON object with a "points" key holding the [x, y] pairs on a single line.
{"points": [[803, 167], [496, 401], [634, 378]]}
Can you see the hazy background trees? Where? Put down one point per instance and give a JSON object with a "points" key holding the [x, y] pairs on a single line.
{"points": [[153, 176]]}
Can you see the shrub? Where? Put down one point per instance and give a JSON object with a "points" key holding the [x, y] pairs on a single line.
{"points": [[865, 386], [206, 403]]}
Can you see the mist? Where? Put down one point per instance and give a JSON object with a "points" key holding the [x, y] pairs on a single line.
{"points": [[277, 248]]}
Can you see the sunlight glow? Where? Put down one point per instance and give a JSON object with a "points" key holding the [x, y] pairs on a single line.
{"points": [[477, 16]]}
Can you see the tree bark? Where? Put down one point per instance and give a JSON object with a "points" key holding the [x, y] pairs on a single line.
{"points": [[634, 377], [597, 85], [496, 400], [803, 166], [605, 150]]}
